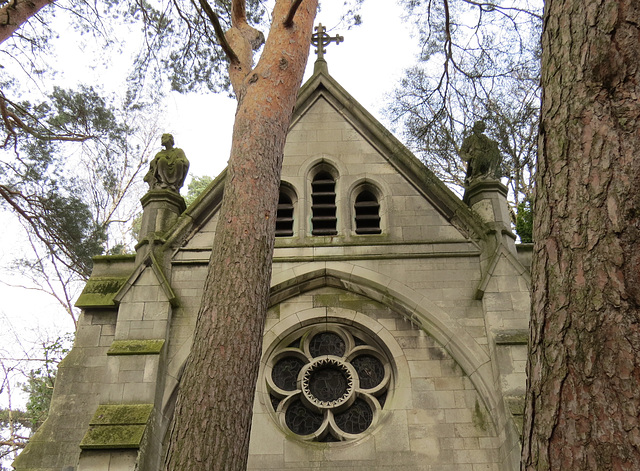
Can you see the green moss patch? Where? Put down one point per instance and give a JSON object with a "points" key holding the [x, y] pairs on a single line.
{"points": [[117, 426], [136, 347], [113, 436], [99, 292], [479, 418], [122, 414]]}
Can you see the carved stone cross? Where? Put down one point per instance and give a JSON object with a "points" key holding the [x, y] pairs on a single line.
{"points": [[320, 39]]}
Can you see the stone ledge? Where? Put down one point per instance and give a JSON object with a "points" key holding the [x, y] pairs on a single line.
{"points": [[100, 292], [112, 436], [136, 347], [512, 337], [117, 426], [122, 414]]}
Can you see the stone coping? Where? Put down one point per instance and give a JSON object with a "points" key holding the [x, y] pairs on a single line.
{"points": [[100, 292], [136, 347], [117, 426]]}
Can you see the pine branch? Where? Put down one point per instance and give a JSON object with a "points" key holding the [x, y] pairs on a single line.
{"points": [[288, 22]]}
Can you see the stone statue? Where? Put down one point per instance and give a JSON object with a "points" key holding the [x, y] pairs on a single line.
{"points": [[169, 167], [482, 156]]}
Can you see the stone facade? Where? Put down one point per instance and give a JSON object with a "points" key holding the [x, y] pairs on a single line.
{"points": [[423, 300]]}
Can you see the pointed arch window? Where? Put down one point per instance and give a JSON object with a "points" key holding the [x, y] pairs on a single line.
{"points": [[284, 215], [367, 210], [323, 204]]}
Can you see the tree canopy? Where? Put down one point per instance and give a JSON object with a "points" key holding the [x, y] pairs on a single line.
{"points": [[478, 61]]}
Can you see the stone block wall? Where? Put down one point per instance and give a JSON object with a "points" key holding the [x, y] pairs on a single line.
{"points": [[433, 419]]}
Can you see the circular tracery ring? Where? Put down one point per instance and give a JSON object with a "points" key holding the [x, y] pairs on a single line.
{"points": [[328, 382]]}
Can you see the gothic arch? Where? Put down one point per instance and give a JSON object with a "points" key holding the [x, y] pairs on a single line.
{"points": [[417, 308], [463, 348]]}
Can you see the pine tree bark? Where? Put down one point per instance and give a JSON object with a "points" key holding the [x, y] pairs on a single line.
{"points": [[212, 419], [16, 12], [583, 397]]}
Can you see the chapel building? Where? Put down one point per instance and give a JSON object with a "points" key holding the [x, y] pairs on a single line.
{"points": [[395, 338]]}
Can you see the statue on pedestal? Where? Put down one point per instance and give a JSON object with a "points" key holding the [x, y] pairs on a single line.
{"points": [[168, 169], [482, 156]]}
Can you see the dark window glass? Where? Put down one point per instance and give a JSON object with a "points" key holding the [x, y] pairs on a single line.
{"points": [[370, 371], [285, 373], [284, 216], [301, 420], [356, 419], [274, 401], [323, 204], [327, 343], [358, 341], [367, 213], [382, 398], [328, 384]]}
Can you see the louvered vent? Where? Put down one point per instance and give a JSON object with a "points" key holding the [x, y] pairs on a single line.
{"points": [[323, 205], [367, 213], [284, 216]]}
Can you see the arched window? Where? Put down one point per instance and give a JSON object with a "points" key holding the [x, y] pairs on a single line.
{"points": [[367, 211], [284, 215], [323, 204]]}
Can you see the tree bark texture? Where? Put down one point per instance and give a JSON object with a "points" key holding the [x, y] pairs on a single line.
{"points": [[16, 12], [583, 397], [212, 419]]}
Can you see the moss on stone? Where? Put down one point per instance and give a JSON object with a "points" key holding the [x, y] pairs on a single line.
{"points": [[515, 404], [113, 436], [117, 426], [114, 258], [344, 300], [479, 418], [512, 337], [136, 347], [100, 292], [122, 414]]}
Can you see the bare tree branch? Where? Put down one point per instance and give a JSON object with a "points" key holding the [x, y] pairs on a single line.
{"points": [[288, 22], [233, 58]]}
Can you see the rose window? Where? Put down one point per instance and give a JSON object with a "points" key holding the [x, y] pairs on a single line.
{"points": [[328, 383]]}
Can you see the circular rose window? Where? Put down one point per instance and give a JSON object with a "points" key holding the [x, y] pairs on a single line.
{"points": [[328, 383]]}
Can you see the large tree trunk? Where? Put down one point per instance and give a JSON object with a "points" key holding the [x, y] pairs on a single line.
{"points": [[212, 418], [583, 398], [17, 12]]}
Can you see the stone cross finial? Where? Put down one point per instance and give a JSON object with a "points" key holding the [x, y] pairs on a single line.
{"points": [[320, 39]]}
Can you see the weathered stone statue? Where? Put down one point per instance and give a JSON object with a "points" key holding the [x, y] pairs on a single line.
{"points": [[482, 156], [169, 167]]}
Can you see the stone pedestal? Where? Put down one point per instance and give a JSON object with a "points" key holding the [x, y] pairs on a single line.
{"points": [[488, 199], [160, 211]]}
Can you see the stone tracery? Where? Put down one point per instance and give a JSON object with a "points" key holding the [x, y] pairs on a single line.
{"points": [[328, 384]]}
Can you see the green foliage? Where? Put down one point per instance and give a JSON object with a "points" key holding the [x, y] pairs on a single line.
{"points": [[195, 187], [18, 417], [524, 222], [16, 424], [40, 381], [68, 208]]}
